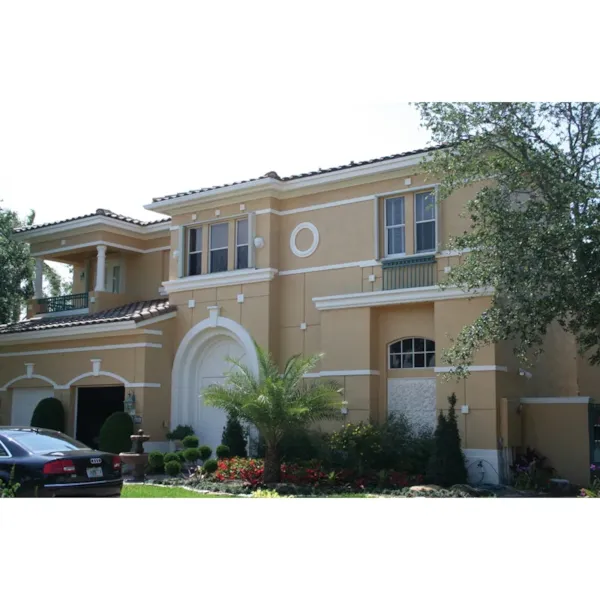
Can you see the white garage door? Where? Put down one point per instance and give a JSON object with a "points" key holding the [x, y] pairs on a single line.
{"points": [[24, 401]]}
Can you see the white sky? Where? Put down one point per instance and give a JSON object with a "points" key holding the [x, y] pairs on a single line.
{"points": [[110, 104]]}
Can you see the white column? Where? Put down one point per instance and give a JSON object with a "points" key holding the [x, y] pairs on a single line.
{"points": [[100, 269], [38, 284]]}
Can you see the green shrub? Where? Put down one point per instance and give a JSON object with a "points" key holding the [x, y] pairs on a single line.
{"points": [[156, 461], [180, 456], [205, 452], [179, 433], [223, 451], [447, 462], [115, 434], [173, 468], [234, 437], [170, 457], [8, 489], [190, 441], [210, 466], [49, 414], [265, 494], [191, 454]]}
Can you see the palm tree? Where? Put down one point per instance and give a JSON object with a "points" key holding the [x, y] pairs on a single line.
{"points": [[276, 403]]}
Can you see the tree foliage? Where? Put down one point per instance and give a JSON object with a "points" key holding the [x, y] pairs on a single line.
{"points": [[534, 233], [447, 462], [276, 403], [18, 268]]}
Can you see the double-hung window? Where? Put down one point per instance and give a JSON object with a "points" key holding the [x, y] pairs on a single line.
{"points": [[219, 244], [395, 240], [195, 251], [241, 244], [425, 222]]}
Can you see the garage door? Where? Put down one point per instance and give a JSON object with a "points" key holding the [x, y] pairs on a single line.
{"points": [[24, 401]]}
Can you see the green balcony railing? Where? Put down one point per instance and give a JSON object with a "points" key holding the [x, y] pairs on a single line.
{"points": [[411, 272], [63, 303]]}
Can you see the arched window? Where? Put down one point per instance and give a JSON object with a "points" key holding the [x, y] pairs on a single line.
{"points": [[412, 353]]}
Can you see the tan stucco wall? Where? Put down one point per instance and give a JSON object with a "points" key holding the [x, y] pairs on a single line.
{"points": [[560, 432]]}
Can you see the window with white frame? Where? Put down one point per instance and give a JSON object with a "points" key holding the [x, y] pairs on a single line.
{"points": [[219, 244], [425, 222], [395, 241], [195, 251], [241, 244], [113, 276], [412, 353]]}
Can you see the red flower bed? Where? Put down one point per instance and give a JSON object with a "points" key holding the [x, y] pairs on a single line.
{"points": [[250, 470]]}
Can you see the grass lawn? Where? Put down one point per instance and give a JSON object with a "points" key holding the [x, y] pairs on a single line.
{"points": [[161, 491]]}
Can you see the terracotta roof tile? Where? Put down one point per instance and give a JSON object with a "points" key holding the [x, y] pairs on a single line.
{"points": [[136, 311], [274, 175], [103, 212]]}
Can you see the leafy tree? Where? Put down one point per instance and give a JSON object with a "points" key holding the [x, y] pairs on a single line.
{"points": [[534, 234], [447, 462], [234, 437], [275, 402], [18, 268]]}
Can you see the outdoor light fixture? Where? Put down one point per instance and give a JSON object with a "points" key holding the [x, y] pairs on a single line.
{"points": [[130, 403]]}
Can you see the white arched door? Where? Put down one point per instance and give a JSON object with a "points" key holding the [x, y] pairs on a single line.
{"points": [[212, 369], [201, 360]]}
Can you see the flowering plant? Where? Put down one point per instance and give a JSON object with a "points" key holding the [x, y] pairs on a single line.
{"points": [[311, 473], [594, 490]]}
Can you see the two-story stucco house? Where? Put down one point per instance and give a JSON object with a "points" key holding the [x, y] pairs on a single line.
{"points": [[344, 261]]}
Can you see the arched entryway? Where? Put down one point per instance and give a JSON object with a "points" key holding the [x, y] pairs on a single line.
{"points": [[201, 360]]}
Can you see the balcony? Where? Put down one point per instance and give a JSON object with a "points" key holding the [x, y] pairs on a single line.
{"points": [[411, 272], [58, 304]]}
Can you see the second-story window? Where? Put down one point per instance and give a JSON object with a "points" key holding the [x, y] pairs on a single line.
{"points": [[425, 222], [219, 243], [241, 244], [195, 251], [116, 279], [394, 226]]}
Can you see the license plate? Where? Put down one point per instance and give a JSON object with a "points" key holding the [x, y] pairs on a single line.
{"points": [[94, 472]]}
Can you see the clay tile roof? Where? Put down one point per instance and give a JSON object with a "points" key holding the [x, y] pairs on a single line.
{"points": [[274, 175], [103, 212], [136, 311]]}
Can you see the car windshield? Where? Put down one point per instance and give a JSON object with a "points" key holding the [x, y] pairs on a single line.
{"points": [[45, 441]]}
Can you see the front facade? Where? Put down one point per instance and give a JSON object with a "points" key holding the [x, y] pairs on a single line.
{"points": [[343, 261]]}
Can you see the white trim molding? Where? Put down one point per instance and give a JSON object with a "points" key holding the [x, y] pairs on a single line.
{"points": [[237, 277], [81, 349], [99, 243], [349, 373], [315, 242], [30, 376], [390, 297], [472, 368], [359, 263], [557, 400], [99, 373]]}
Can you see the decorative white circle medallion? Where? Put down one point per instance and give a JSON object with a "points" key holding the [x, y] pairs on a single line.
{"points": [[312, 247]]}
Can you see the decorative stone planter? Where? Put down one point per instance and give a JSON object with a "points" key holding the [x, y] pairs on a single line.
{"points": [[137, 458]]}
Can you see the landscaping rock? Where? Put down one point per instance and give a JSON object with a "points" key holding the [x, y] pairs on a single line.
{"points": [[426, 488]]}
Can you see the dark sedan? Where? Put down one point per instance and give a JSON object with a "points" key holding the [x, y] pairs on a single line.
{"points": [[47, 463]]}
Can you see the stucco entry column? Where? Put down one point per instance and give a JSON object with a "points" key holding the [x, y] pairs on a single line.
{"points": [[100, 268], [38, 283]]}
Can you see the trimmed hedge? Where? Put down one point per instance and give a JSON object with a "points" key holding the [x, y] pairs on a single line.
{"points": [[190, 441], [223, 451], [210, 466], [205, 452], [115, 434], [49, 414], [156, 461], [191, 454], [173, 468]]}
